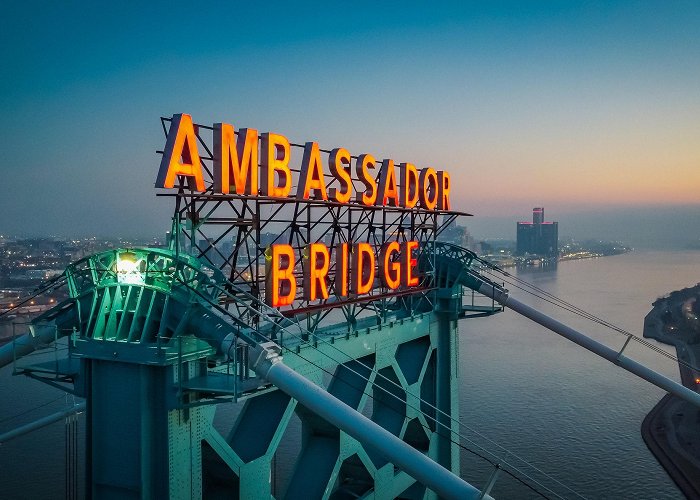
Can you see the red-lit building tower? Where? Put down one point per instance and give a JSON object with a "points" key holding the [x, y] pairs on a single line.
{"points": [[538, 237]]}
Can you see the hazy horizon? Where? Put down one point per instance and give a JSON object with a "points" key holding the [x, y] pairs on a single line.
{"points": [[642, 227]]}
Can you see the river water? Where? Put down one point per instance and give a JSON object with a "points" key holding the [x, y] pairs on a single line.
{"points": [[573, 416], [561, 408]]}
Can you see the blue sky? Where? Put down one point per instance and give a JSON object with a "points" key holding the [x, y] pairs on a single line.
{"points": [[576, 106]]}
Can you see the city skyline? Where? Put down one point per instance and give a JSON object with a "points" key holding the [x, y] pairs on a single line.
{"points": [[584, 108]]}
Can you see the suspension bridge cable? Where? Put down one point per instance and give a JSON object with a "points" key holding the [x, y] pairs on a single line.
{"points": [[50, 284], [7, 419], [458, 443], [496, 461], [391, 382], [42, 288], [567, 305], [53, 284], [300, 338], [362, 390], [548, 297], [629, 335], [332, 346], [544, 295]]}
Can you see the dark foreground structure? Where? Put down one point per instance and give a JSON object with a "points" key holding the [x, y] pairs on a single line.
{"points": [[672, 429]]}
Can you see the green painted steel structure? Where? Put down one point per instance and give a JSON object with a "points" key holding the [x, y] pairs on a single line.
{"points": [[154, 353], [158, 344]]}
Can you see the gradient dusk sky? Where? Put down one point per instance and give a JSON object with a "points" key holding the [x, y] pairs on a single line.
{"points": [[576, 106]]}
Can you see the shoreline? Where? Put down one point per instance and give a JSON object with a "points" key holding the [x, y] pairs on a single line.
{"points": [[670, 429], [510, 261], [654, 431]]}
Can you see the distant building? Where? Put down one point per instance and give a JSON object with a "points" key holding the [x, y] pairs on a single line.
{"points": [[458, 235], [538, 237]]}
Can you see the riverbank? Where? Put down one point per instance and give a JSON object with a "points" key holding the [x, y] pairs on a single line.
{"points": [[671, 430], [659, 433], [508, 260]]}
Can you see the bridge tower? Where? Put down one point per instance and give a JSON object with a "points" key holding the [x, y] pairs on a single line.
{"points": [[160, 345]]}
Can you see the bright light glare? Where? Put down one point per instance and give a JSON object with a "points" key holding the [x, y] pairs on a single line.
{"points": [[128, 269]]}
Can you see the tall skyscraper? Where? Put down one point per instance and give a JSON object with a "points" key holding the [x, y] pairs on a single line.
{"points": [[538, 215], [538, 237]]}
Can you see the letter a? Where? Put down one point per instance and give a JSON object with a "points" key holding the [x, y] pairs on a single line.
{"points": [[311, 177], [180, 156]]}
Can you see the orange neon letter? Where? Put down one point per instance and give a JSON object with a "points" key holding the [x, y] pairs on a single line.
{"points": [[275, 159], [339, 163], [280, 283], [444, 189], [387, 184], [390, 268], [409, 278], [239, 159], [341, 270], [311, 177], [181, 156], [365, 162], [362, 268], [316, 270], [408, 196], [428, 192]]}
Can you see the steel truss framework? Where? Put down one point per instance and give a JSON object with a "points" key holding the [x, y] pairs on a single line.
{"points": [[406, 362], [152, 344], [172, 346], [233, 233]]}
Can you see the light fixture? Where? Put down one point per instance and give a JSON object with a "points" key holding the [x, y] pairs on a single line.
{"points": [[128, 268]]}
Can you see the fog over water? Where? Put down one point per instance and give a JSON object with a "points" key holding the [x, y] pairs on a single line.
{"points": [[644, 227]]}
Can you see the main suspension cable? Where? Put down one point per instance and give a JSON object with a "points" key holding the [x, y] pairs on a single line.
{"points": [[43, 287], [275, 312], [541, 294]]}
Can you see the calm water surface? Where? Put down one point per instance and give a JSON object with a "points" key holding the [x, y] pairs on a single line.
{"points": [[569, 413], [573, 415]]}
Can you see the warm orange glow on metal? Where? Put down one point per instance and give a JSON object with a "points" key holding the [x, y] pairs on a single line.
{"points": [[339, 164], [362, 268], [365, 162], [280, 283], [275, 161], [428, 192], [341, 270], [316, 271], [408, 196], [397, 267], [387, 184], [311, 177], [390, 269], [180, 156], [444, 183], [237, 159], [410, 263]]}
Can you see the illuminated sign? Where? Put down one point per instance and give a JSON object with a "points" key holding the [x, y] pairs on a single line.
{"points": [[246, 164], [236, 163], [397, 266]]}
